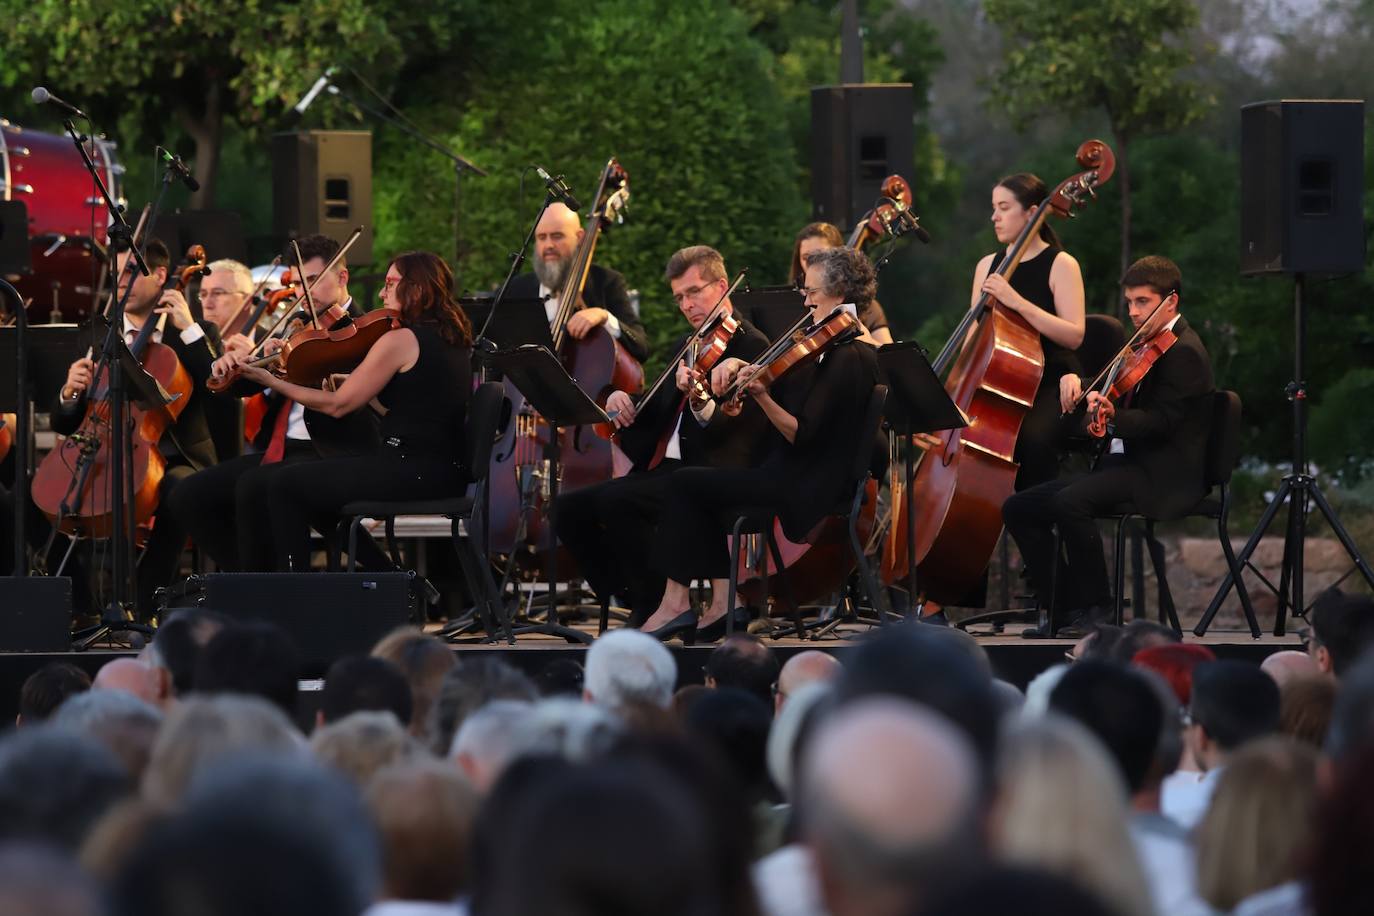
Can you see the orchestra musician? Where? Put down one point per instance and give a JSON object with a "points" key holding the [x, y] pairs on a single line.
{"points": [[186, 445], [223, 292], [608, 527], [1047, 291], [218, 505], [420, 376], [818, 237], [817, 410], [1154, 460], [605, 295]]}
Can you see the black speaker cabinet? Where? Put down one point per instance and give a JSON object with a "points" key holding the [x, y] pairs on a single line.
{"points": [[860, 134], [322, 182], [38, 614], [329, 615], [1302, 187]]}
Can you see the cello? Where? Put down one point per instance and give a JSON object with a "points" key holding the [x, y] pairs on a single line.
{"points": [[520, 485], [994, 363]]}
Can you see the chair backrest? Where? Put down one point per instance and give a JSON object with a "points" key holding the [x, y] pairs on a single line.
{"points": [[484, 414], [1103, 336], [868, 434], [1223, 439]]}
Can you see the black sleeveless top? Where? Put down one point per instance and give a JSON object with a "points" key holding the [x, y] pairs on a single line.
{"points": [[428, 404], [1032, 280]]}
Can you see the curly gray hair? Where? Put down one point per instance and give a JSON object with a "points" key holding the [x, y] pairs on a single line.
{"points": [[846, 273]]}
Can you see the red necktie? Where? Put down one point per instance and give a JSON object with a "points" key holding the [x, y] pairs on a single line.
{"points": [[661, 451], [276, 446]]}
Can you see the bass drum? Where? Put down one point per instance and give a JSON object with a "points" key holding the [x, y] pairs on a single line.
{"points": [[67, 218]]}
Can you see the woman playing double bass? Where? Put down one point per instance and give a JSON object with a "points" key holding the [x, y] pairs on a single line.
{"points": [[816, 414], [421, 375]]}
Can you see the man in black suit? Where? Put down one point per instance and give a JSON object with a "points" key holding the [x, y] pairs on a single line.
{"points": [[186, 445], [1153, 461], [605, 297], [224, 507], [608, 527]]}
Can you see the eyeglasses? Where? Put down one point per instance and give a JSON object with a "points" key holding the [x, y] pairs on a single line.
{"points": [[390, 283], [805, 291], [214, 293], [691, 292]]}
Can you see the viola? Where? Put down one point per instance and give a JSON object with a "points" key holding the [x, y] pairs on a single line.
{"points": [[1129, 367], [794, 349]]}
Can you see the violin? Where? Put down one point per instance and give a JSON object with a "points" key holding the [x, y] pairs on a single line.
{"points": [[1128, 368], [7, 424], [800, 345]]}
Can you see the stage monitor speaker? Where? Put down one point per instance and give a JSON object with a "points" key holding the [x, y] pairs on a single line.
{"points": [[328, 615], [860, 134], [38, 613], [1302, 187], [322, 182]]}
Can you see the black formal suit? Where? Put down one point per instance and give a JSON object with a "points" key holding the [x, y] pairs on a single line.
{"points": [[605, 288], [802, 481], [1163, 425], [186, 445], [609, 527]]}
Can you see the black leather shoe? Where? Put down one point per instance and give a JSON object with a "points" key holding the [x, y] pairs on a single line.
{"points": [[683, 625], [715, 630], [1081, 622]]}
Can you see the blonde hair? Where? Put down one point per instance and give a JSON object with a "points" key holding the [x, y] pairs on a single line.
{"points": [[360, 744], [243, 277], [1062, 807], [424, 661], [1259, 821]]}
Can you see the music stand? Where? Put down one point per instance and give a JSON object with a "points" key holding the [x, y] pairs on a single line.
{"points": [[516, 322], [546, 385], [916, 403], [771, 309]]}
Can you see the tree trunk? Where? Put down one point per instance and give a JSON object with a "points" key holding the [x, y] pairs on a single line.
{"points": [[206, 132], [1123, 177]]}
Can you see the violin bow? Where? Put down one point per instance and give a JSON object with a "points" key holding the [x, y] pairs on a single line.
{"points": [[343, 249], [1113, 363], [257, 291]]}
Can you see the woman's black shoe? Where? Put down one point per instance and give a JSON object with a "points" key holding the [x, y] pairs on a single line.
{"points": [[716, 629], [684, 625]]}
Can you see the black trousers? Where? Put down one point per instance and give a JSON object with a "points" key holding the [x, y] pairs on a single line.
{"points": [[224, 508], [316, 490], [702, 505], [609, 530], [1041, 439], [1072, 504], [162, 555]]}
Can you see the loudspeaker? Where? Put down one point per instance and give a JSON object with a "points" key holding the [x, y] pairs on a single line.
{"points": [[1302, 187], [38, 613], [322, 182], [328, 615], [860, 134], [14, 240]]}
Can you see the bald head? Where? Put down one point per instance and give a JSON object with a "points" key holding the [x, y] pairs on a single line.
{"points": [[130, 676], [809, 667], [1289, 665], [555, 240]]}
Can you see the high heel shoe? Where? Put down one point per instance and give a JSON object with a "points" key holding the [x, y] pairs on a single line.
{"points": [[683, 625], [715, 630]]}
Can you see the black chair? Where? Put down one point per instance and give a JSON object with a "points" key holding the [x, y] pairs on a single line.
{"points": [[483, 416], [760, 521]]}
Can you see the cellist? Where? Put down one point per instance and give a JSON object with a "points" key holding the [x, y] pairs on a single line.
{"points": [[187, 444], [1154, 459]]}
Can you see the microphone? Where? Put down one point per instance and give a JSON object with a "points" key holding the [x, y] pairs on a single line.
{"points": [[176, 165], [558, 189], [315, 90], [42, 96]]}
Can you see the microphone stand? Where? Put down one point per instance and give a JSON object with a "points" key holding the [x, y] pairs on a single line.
{"points": [[517, 260]]}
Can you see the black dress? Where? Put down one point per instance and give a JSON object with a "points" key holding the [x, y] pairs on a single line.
{"points": [[1042, 431], [420, 456]]}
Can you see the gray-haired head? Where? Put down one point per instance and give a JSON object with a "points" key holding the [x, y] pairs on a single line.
{"points": [[630, 668], [847, 274], [486, 741], [560, 727]]}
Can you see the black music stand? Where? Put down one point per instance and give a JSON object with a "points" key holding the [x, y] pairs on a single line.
{"points": [[771, 309], [546, 385], [916, 403], [515, 323]]}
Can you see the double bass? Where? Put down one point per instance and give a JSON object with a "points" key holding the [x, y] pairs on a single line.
{"points": [[519, 479], [994, 363]]}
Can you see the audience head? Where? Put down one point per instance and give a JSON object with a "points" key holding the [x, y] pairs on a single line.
{"points": [[735, 722], [809, 667], [1343, 840], [567, 729], [629, 668], [1352, 719], [121, 721], [252, 658], [883, 838], [1118, 706], [360, 744], [1233, 702], [791, 728], [1342, 629], [424, 812], [486, 742], [1099, 642], [37, 880], [178, 642], [469, 687], [1142, 634], [55, 784], [132, 677], [1040, 688], [1259, 822], [363, 683], [47, 688], [202, 730], [743, 662], [1175, 663], [1305, 707], [1026, 892], [424, 661], [1288, 664], [1061, 806]]}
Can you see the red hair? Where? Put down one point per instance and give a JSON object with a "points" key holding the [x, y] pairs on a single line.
{"points": [[1175, 663], [425, 294]]}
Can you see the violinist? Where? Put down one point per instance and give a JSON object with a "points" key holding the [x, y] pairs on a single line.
{"points": [[1047, 291], [187, 445], [816, 412], [219, 505], [1156, 443], [605, 296], [816, 237], [223, 292], [609, 526], [420, 374]]}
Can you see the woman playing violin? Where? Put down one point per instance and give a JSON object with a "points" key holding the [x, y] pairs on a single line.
{"points": [[1047, 291], [816, 414], [816, 237], [420, 374]]}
